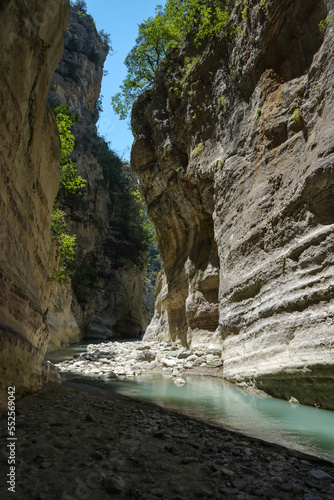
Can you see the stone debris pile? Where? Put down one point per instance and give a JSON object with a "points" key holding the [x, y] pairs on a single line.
{"points": [[134, 358]]}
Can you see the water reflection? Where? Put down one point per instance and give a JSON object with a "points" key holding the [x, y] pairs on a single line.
{"points": [[297, 426]]}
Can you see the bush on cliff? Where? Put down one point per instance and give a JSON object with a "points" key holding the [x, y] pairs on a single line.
{"points": [[73, 184], [157, 35]]}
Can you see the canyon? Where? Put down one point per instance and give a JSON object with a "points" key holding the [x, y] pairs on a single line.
{"points": [[234, 152], [233, 148], [105, 296], [32, 45]]}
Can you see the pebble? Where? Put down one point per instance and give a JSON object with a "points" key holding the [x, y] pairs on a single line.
{"points": [[113, 484], [179, 381], [98, 455], [156, 453], [45, 465], [111, 360], [60, 444], [319, 474]]}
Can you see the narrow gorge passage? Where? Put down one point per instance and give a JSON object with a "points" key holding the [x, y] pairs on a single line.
{"points": [[173, 377], [210, 247]]}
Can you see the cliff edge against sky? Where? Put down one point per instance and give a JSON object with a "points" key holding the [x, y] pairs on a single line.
{"points": [[234, 150]]}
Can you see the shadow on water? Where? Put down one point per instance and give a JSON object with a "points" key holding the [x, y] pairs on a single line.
{"points": [[300, 427]]}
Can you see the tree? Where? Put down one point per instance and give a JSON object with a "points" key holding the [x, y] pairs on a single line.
{"points": [[106, 39], [80, 5], [157, 35]]}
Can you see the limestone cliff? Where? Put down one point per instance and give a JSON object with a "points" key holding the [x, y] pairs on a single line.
{"points": [[110, 262], [234, 150], [32, 35]]}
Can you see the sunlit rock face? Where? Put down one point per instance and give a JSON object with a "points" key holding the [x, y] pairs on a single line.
{"points": [[31, 45], [234, 149], [109, 270]]}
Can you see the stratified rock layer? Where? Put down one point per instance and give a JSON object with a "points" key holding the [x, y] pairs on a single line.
{"points": [[31, 46], [234, 150], [109, 267]]}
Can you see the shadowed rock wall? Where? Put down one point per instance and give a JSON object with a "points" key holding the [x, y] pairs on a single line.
{"points": [[31, 45], [109, 266], [234, 151]]}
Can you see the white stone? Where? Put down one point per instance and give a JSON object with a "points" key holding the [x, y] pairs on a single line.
{"points": [[213, 361], [179, 381], [169, 362]]}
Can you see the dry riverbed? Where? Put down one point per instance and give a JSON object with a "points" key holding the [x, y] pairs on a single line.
{"points": [[133, 358], [79, 442]]}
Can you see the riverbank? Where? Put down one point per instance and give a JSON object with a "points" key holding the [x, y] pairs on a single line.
{"points": [[81, 443], [129, 359]]}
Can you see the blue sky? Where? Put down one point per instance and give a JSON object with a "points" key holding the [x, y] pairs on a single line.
{"points": [[119, 18]]}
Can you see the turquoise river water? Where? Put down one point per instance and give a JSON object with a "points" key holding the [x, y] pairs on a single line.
{"points": [[300, 427]]}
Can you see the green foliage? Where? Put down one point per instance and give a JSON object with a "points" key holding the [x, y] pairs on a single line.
{"points": [[244, 12], [79, 5], [198, 149], [157, 35], [221, 100], [143, 231], [99, 104], [328, 21], [85, 276], [65, 246], [111, 164], [68, 173], [69, 69], [72, 183], [297, 116], [106, 39], [154, 265]]}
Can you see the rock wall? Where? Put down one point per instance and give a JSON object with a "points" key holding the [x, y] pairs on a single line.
{"points": [[32, 36], [109, 268], [234, 151]]}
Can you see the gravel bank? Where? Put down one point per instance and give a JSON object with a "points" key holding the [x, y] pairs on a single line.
{"points": [[80, 443], [133, 358]]}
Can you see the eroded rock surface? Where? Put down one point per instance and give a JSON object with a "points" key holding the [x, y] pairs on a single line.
{"points": [[109, 267], [31, 45], [234, 150]]}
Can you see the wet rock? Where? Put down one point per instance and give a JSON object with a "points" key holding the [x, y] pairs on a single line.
{"points": [[179, 381], [109, 375]]}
